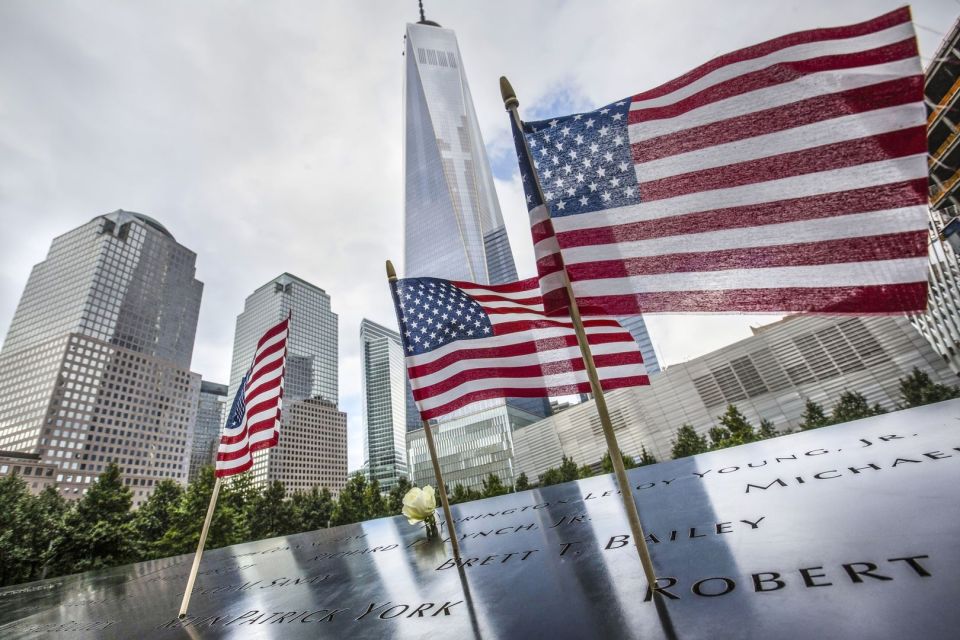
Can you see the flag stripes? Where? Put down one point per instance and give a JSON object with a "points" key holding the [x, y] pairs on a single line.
{"points": [[524, 354], [789, 176], [254, 422]]}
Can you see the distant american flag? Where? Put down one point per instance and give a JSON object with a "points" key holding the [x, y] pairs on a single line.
{"points": [[788, 176], [466, 343], [254, 421]]}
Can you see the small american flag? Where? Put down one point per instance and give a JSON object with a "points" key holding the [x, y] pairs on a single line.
{"points": [[787, 176], [254, 421], [466, 343]]}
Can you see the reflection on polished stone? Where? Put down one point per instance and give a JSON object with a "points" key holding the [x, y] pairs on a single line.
{"points": [[849, 531]]}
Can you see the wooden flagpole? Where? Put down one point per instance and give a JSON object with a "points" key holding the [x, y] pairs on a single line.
{"points": [[441, 486], [199, 554], [511, 104]]}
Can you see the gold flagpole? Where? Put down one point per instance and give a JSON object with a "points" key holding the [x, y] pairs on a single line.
{"points": [[203, 541], [511, 104], [441, 486]]}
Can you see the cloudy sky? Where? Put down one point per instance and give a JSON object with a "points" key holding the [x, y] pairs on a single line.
{"points": [[267, 136]]}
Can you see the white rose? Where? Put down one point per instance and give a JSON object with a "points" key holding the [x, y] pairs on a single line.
{"points": [[419, 504]]}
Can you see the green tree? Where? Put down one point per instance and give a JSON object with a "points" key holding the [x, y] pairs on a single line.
{"points": [[98, 531], [853, 406], [45, 513], [237, 495], [270, 514], [646, 457], [312, 509], [767, 430], [373, 501], [585, 471], [493, 486], [523, 483], [568, 470], [606, 463], [395, 499], [813, 417], [917, 389], [719, 438], [351, 505], [461, 494], [688, 443], [15, 552], [155, 517], [189, 514], [734, 430], [550, 476]]}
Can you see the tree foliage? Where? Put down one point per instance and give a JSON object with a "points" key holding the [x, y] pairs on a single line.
{"points": [[100, 527], [688, 443], [313, 508], [522, 483], [853, 406], [813, 417], [352, 505], [646, 457], [493, 486], [917, 389], [395, 498], [606, 463]]}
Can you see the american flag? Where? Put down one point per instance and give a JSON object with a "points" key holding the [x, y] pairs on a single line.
{"points": [[254, 421], [466, 343], [787, 176]]}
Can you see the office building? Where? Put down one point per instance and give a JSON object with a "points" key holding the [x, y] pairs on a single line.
{"points": [[211, 416], [385, 394], [453, 225], [37, 474], [769, 375], [311, 374], [470, 447], [940, 324], [312, 451], [95, 365]]}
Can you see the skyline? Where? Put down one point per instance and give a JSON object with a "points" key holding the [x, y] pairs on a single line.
{"points": [[240, 129]]}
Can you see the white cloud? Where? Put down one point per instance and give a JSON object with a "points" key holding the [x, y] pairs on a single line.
{"points": [[267, 136]]}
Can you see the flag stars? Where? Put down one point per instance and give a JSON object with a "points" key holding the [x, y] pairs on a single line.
{"points": [[590, 123]]}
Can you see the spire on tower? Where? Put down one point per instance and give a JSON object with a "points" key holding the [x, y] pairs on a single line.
{"points": [[423, 16]]}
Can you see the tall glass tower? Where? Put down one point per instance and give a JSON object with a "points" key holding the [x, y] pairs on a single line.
{"points": [[453, 226], [96, 365], [312, 450], [385, 391]]}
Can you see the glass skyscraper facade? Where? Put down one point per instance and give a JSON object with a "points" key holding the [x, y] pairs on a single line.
{"points": [[453, 226], [638, 329], [95, 366], [311, 374], [454, 229], [211, 416], [385, 398]]}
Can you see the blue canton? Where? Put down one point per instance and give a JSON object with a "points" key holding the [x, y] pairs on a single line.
{"points": [[583, 160], [434, 313], [239, 407]]}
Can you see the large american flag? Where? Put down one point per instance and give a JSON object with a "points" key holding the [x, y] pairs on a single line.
{"points": [[787, 176], [466, 343], [254, 421]]}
